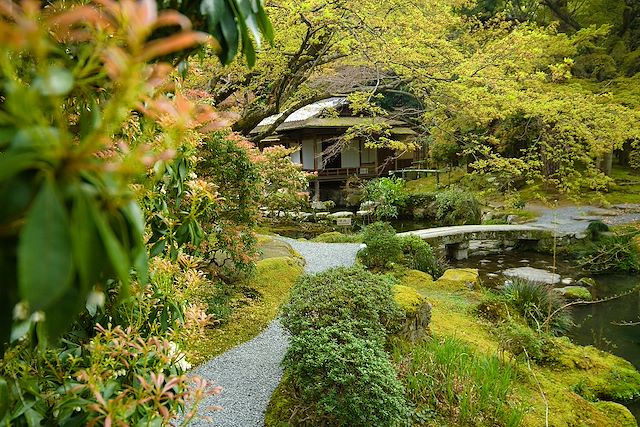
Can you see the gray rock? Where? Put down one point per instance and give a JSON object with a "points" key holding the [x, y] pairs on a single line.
{"points": [[364, 213], [511, 219], [532, 274], [322, 215], [567, 281]]}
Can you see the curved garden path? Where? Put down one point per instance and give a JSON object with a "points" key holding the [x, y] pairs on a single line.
{"points": [[250, 372]]}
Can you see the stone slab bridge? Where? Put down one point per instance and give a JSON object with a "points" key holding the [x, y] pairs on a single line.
{"points": [[455, 240]]}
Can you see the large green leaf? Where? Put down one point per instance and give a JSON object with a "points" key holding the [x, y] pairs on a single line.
{"points": [[45, 262], [230, 21], [4, 399]]}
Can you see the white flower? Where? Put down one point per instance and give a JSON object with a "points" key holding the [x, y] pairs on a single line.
{"points": [[20, 311], [38, 316]]}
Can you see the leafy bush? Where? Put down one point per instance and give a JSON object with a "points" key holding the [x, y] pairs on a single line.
{"points": [[539, 305], [457, 207], [452, 381], [521, 340], [342, 294], [348, 378], [383, 246], [418, 255], [336, 364], [388, 196], [119, 377]]}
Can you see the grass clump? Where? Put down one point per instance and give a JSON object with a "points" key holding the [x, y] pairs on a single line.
{"points": [[260, 299], [452, 384], [539, 305], [336, 369]]}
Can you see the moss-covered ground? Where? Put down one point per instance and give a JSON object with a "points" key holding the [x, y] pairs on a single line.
{"points": [[568, 390], [270, 287]]}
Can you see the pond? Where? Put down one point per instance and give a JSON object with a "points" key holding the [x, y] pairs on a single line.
{"points": [[596, 324]]}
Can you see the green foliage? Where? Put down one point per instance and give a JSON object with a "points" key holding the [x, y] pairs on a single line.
{"points": [[66, 169], [388, 196], [336, 364], [383, 246], [285, 183], [345, 378], [384, 249], [539, 305], [458, 385], [94, 384], [234, 23], [521, 341], [418, 255], [351, 295], [457, 207], [620, 251]]}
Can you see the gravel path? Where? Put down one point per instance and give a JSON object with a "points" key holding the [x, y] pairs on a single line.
{"points": [[250, 372], [575, 219]]}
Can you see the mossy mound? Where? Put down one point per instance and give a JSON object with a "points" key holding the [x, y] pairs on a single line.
{"points": [[337, 237], [593, 373], [415, 279], [617, 413], [575, 293], [407, 298], [280, 406], [458, 279]]}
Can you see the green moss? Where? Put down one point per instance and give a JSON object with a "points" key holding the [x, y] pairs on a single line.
{"points": [[407, 298], [617, 413], [280, 407], [577, 292], [273, 281], [571, 377], [416, 279], [457, 279], [337, 237]]}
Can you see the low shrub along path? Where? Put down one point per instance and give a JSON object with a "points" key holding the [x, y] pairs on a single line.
{"points": [[250, 372]]}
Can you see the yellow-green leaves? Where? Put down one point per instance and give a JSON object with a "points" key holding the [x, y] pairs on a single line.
{"points": [[45, 263]]}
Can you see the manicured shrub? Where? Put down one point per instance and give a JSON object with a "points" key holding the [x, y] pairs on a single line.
{"points": [[539, 305], [418, 255], [346, 379], [342, 294], [336, 368], [457, 207], [383, 246], [620, 251]]}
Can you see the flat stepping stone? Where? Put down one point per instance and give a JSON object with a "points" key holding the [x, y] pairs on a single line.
{"points": [[532, 274]]}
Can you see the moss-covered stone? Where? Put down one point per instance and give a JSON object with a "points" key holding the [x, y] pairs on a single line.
{"points": [[618, 414], [457, 279], [417, 279], [417, 312], [575, 293]]}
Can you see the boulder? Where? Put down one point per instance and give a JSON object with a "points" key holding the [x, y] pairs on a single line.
{"points": [[575, 293], [417, 313], [322, 215], [459, 279], [532, 274], [364, 213]]}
